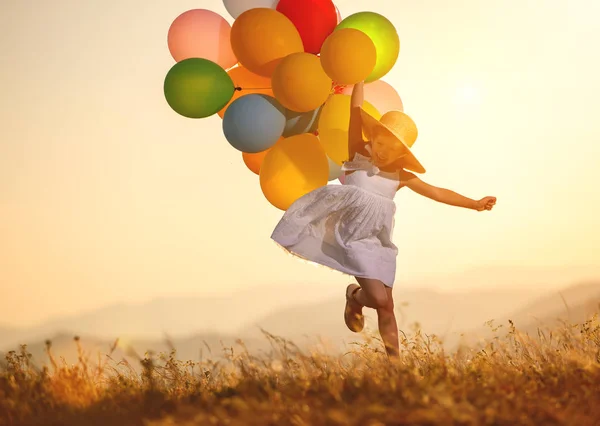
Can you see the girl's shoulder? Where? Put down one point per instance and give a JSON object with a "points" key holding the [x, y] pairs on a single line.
{"points": [[404, 176]]}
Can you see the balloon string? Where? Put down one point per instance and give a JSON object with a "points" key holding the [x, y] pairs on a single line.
{"points": [[239, 89]]}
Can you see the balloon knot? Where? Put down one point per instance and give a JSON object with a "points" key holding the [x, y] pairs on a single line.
{"points": [[239, 89]]}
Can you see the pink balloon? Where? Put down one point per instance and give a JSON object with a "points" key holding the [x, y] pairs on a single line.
{"points": [[339, 15], [381, 95], [201, 33], [342, 178]]}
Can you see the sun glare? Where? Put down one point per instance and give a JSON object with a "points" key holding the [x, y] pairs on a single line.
{"points": [[467, 94]]}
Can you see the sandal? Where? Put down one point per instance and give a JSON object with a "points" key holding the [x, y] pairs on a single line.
{"points": [[353, 316]]}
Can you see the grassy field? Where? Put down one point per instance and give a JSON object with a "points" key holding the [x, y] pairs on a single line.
{"points": [[552, 378]]}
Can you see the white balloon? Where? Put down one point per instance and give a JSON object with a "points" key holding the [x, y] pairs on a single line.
{"points": [[237, 7], [335, 170]]}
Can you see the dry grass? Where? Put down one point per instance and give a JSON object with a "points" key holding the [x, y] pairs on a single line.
{"points": [[549, 379]]}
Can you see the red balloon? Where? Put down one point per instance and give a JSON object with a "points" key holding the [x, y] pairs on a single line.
{"points": [[315, 20]]}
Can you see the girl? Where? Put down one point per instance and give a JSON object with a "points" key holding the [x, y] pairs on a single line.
{"points": [[349, 227]]}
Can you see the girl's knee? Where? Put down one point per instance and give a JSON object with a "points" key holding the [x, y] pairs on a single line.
{"points": [[387, 306], [387, 310], [378, 295], [379, 299]]}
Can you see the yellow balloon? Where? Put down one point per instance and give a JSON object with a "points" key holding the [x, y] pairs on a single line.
{"points": [[261, 37], [348, 56], [333, 126], [299, 82], [293, 167]]}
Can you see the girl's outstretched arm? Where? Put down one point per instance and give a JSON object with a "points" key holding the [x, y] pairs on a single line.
{"points": [[355, 139], [445, 196]]}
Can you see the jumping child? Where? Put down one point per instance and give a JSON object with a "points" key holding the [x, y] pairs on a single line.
{"points": [[349, 227]]}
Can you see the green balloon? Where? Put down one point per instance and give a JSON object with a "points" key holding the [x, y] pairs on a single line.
{"points": [[384, 36], [198, 88]]}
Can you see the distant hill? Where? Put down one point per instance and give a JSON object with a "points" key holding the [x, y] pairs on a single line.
{"points": [[304, 312], [8, 334], [577, 314], [309, 324], [178, 316], [558, 303], [574, 304], [231, 313], [306, 322], [437, 313]]}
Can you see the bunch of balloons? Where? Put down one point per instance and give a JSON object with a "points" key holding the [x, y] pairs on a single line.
{"points": [[281, 77]]}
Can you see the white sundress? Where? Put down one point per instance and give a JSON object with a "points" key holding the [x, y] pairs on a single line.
{"points": [[346, 227]]}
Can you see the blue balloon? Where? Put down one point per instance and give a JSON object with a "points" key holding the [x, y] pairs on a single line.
{"points": [[301, 122], [253, 123]]}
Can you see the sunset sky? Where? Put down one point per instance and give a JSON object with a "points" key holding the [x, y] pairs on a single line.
{"points": [[108, 196]]}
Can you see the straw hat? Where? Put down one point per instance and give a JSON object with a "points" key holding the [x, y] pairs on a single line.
{"points": [[401, 127]]}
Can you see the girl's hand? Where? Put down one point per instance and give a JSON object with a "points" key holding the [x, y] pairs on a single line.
{"points": [[486, 203]]}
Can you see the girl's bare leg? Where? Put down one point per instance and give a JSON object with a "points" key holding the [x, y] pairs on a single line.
{"points": [[374, 294], [388, 327]]}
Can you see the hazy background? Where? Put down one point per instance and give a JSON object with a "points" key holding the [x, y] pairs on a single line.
{"points": [[109, 199]]}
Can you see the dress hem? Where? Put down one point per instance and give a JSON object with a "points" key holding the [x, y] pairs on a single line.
{"points": [[322, 263]]}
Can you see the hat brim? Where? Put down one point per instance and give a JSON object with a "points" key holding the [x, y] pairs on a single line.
{"points": [[370, 123]]}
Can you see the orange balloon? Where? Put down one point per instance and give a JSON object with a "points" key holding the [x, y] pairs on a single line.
{"points": [[299, 82], [261, 37], [249, 82], [348, 56], [293, 167], [201, 33], [254, 161]]}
